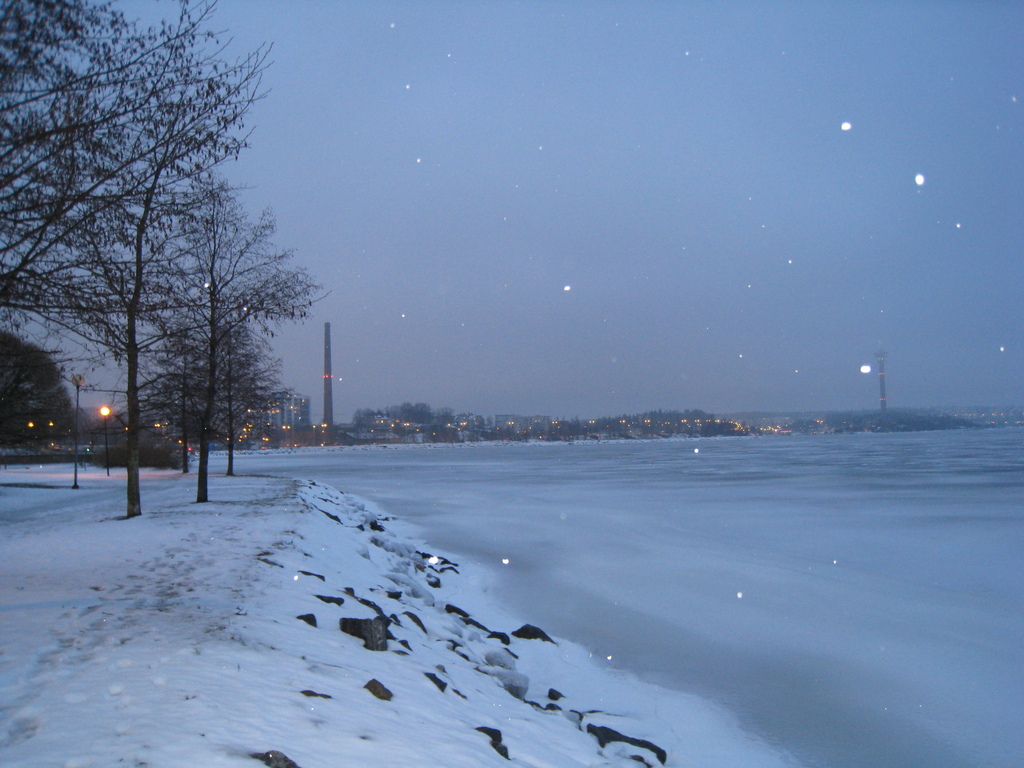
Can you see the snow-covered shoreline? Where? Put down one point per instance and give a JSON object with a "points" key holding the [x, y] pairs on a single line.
{"points": [[187, 637]]}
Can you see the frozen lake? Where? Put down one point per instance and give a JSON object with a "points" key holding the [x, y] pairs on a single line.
{"points": [[855, 600]]}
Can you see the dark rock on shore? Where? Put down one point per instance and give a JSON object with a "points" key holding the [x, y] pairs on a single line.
{"points": [[373, 632], [274, 759], [379, 690], [605, 735], [530, 632], [331, 599], [495, 736]]}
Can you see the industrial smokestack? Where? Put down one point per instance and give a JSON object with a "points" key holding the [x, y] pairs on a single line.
{"points": [[881, 355], [328, 420]]}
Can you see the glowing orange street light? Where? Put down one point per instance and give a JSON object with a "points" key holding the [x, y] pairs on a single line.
{"points": [[105, 413]]}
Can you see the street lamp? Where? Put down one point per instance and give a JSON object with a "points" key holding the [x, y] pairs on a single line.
{"points": [[105, 413], [78, 380]]}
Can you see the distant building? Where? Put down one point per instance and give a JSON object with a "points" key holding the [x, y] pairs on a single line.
{"points": [[288, 411], [510, 425]]}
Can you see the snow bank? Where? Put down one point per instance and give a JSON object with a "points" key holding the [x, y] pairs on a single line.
{"points": [[207, 634]]}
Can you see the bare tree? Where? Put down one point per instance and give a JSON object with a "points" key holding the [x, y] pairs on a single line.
{"points": [[250, 377], [125, 281], [84, 98], [247, 376], [59, 65], [175, 376], [239, 279]]}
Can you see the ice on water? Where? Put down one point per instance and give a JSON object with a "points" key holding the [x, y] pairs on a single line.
{"points": [[881, 614]]}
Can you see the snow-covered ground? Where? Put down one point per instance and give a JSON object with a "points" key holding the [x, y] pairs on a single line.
{"points": [[186, 637], [854, 599]]}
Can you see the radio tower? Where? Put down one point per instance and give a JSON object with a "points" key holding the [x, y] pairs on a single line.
{"points": [[328, 379], [881, 355]]}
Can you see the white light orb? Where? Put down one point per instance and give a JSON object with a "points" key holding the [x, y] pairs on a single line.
{"points": [[919, 179], [846, 126], [865, 369], [567, 288]]}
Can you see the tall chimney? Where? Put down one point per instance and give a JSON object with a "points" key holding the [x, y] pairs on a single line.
{"points": [[881, 355], [328, 379]]}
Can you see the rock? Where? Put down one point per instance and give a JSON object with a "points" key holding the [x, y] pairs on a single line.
{"points": [[495, 736], [368, 603], [475, 623], [274, 759], [377, 689], [437, 559], [530, 632], [373, 632], [416, 620], [441, 684], [465, 617], [309, 618], [314, 694], [314, 575], [605, 735], [331, 599], [501, 636], [549, 707], [554, 695]]}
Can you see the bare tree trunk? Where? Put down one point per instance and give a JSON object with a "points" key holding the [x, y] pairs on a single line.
{"points": [[184, 419], [230, 415], [132, 361], [202, 468], [205, 421], [132, 437]]}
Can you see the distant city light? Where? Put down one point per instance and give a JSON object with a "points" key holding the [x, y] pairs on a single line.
{"points": [[846, 126], [919, 179], [865, 369]]}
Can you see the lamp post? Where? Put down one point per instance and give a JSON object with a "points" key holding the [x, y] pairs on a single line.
{"points": [[105, 413], [78, 380]]}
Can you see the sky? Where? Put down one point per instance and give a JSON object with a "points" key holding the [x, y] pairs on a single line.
{"points": [[592, 208]]}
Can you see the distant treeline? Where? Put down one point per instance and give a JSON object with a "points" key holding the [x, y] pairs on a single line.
{"points": [[418, 422], [881, 421]]}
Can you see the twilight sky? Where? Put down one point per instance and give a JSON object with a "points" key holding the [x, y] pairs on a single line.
{"points": [[587, 208]]}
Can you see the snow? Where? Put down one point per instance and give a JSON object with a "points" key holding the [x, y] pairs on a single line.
{"points": [[173, 640], [881, 622]]}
